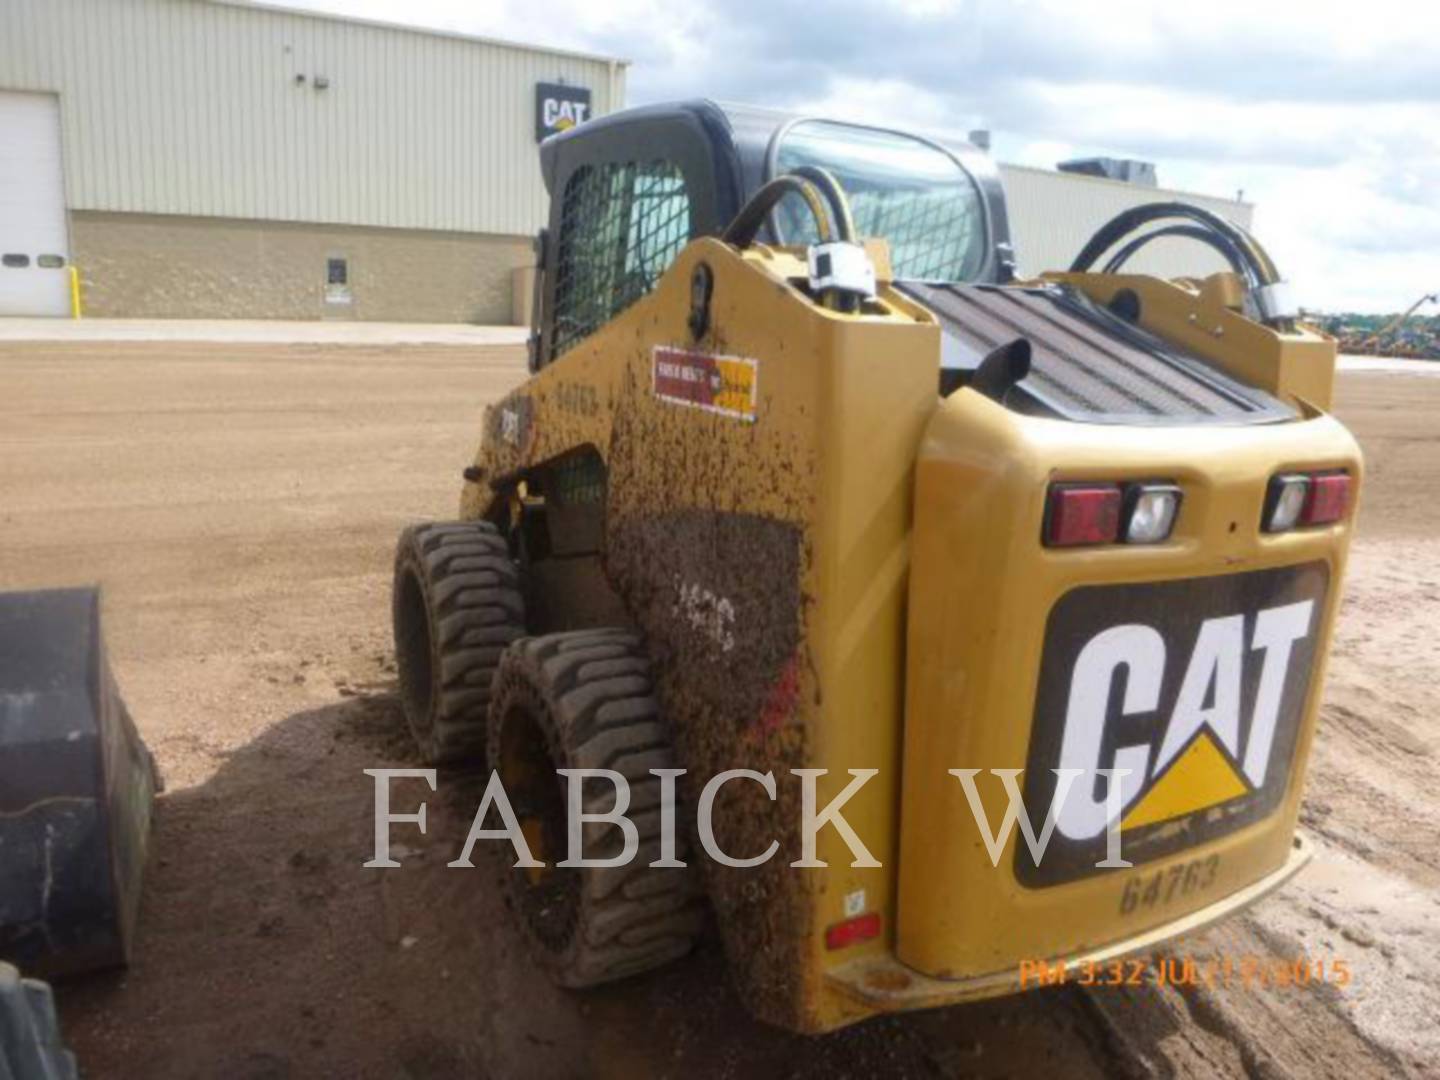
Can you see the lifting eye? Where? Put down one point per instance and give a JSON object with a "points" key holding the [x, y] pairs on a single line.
{"points": [[702, 287]]}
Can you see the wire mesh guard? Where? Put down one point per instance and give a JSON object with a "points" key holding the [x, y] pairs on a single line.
{"points": [[577, 480], [932, 232], [622, 225]]}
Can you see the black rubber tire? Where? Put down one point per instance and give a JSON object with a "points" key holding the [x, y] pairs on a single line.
{"points": [[456, 605], [30, 1046], [587, 695]]}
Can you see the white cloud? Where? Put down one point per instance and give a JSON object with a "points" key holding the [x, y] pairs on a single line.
{"points": [[1327, 115], [1347, 196]]}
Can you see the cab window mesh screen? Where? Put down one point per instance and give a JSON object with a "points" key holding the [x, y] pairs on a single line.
{"points": [[621, 226]]}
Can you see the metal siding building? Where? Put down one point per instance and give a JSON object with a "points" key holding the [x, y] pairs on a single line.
{"points": [[218, 155], [219, 158], [1053, 214]]}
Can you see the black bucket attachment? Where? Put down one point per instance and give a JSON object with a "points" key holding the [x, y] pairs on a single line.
{"points": [[76, 788], [30, 1046]]}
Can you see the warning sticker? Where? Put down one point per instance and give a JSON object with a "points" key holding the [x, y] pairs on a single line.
{"points": [[718, 384]]}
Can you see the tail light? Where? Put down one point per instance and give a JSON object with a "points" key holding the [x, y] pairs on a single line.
{"points": [[1139, 513], [1300, 500], [1078, 514], [1329, 498]]}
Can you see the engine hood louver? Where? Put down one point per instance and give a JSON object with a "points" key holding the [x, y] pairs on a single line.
{"points": [[1087, 364]]}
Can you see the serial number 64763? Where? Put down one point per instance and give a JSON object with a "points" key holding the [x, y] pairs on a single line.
{"points": [[1146, 891]]}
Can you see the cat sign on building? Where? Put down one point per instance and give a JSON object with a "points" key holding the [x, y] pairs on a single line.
{"points": [[559, 107]]}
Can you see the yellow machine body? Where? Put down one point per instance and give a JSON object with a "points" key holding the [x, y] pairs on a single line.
{"points": [[835, 568]]}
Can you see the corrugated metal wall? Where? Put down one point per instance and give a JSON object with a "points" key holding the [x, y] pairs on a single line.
{"points": [[193, 107], [1053, 214]]}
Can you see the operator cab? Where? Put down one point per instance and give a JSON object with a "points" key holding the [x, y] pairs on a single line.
{"points": [[628, 191]]}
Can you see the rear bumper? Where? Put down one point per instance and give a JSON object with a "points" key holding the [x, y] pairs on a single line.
{"points": [[881, 983]]}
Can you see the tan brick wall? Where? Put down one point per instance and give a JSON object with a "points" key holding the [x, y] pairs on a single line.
{"points": [[154, 266]]}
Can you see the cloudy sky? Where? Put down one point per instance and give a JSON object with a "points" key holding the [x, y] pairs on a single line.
{"points": [[1326, 115]]}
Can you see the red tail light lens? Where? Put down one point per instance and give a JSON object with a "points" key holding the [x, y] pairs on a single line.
{"points": [[1299, 500], [1078, 514], [1328, 500], [851, 931]]}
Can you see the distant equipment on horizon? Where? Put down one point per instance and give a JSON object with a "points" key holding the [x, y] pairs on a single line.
{"points": [[1400, 320]]}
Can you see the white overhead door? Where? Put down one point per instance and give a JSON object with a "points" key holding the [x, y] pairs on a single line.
{"points": [[34, 248]]}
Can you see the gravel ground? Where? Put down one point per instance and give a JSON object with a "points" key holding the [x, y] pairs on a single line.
{"points": [[239, 503], [260, 332]]}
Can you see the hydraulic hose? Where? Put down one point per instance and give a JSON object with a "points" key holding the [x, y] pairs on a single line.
{"points": [[840, 214], [1260, 252], [828, 206], [1224, 246], [1251, 261], [752, 216], [834, 195], [1259, 270]]}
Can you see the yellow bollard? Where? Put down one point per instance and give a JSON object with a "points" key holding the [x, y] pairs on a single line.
{"points": [[74, 292]]}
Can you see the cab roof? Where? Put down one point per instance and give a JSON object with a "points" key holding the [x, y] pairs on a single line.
{"points": [[741, 142]]}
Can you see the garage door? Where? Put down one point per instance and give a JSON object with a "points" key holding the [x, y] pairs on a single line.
{"points": [[34, 247]]}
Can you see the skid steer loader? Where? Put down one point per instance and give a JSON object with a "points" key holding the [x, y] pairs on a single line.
{"points": [[804, 482]]}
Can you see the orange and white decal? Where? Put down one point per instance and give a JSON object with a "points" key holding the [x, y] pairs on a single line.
{"points": [[718, 384]]}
